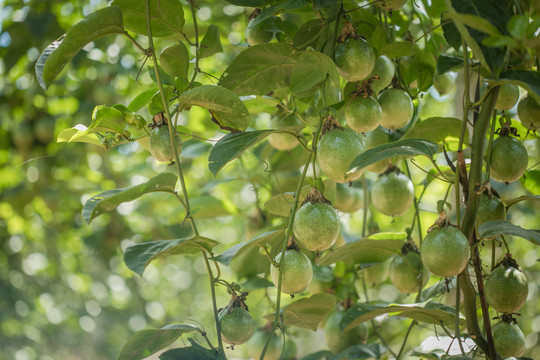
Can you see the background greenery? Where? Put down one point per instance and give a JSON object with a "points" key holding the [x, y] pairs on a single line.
{"points": [[65, 292]]}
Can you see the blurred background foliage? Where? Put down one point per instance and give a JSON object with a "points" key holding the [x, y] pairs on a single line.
{"points": [[65, 292]]}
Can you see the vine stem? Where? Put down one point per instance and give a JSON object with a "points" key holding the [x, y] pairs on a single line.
{"points": [[179, 167], [416, 208]]}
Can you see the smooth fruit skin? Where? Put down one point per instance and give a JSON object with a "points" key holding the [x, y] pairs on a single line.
{"points": [[444, 83], [255, 35], [237, 326], [160, 144], [363, 114], [376, 274], [375, 138], [528, 111], [338, 341], [255, 346], [508, 97], [384, 68], [490, 210], [509, 339], [407, 271], [397, 108], [336, 151], [445, 251], [392, 194], [282, 141], [348, 199], [355, 59], [297, 272], [390, 5], [506, 289], [509, 159], [316, 226]]}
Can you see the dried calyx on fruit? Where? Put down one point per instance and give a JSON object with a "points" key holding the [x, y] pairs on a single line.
{"points": [[354, 57], [363, 112], [236, 324], [506, 286]]}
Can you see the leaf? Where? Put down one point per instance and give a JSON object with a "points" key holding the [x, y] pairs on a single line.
{"points": [[271, 237], [231, 146], [106, 119], [447, 63], [364, 351], [522, 198], [319, 355], [397, 49], [403, 148], [363, 251], [142, 99], [193, 352], [491, 229], [167, 16], [60, 52], [308, 34], [311, 70], [436, 129], [109, 200], [207, 206], [280, 204], [137, 257], [307, 313], [259, 70], [527, 79], [210, 44], [175, 60], [147, 342], [79, 133], [227, 110], [477, 23], [429, 312], [437, 289]]}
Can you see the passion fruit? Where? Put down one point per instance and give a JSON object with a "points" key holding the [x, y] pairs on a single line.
{"points": [[506, 289], [392, 194], [397, 108], [282, 141], [297, 272], [316, 226], [375, 138], [508, 97], [160, 144], [509, 339], [509, 159], [407, 273], [363, 114], [354, 58], [348, 199], [528, 111], [255, 35], [445, 251], [384, 69], [236, 325], [490, 210]]}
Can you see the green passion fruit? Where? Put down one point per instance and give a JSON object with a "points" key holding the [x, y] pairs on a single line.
{"points": [[528, 111], [363, 114], [336, 339], [297, 272], [506, 289], [376, 274], [509, 339], [444, 83], [509, 159], [256, 344], [490, 210], [255, 35], [316, 226], [354, 58], [397, 108], [375, 138], [392, 194], [348, 199], [236, 325], [160, 144], [445, 251], [336, 151], [384, 69], [508, 97], [282, 141], [407, 272]]}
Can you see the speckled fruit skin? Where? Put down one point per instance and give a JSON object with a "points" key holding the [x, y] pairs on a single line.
{"points": [[255, 35], [445, 251], [506, 289], [406, 272], [392, 194], [375, 138], [355, 59], [237, 326], [337, 340], [509, 339], [160, 144], [348, 199], [316, 226], [397, 108], [376, 274], [443, 83], [391, 5], [336, 151], [297, 272], [384, 68], [490, 210], [509, 159], [363, 114], [508, 97], [255, 346], [528, 111], [282, 141]]}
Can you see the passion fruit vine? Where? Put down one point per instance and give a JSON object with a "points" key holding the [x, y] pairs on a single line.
{"points": [[160, 144], [236, 324], [297, 271], [507, 287]]}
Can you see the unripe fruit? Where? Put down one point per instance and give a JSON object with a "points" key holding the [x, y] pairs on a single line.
{"points": [[444, 83], [354, 58], [160, 144], [506, 289], [256, 345], [236, 324], [528, 111], [390, 5], [282, 141], [445, 251], [316, 226], [509, 159], [297, 272], [348, 199], [397, 108], [338, 340], [377, 274], [336, 151], [407, 272], [490, 210], [363, 114], [392, 194], [384, 69], [255, 35], [509, 339], [508, 97], [375, 138]]}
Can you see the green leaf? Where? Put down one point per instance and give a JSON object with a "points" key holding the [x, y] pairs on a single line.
{"points": [[491, 229], [404, 148], [147, 342], [193, 352], [319, 355], [308, 34], [167, 16], [231, 146], [311, 70], [446, 63], [527, 79], [210, 44], [272, 237], [437, 129], [358, 352], [531, 181], [522, 198], [142, 99], [308, 312], [259, 70], [429, 312], [137, 257], [60, 52], [363, 251], [437, 290], [280, 204], [109, 200], [397, 49], [106, 119], [79, 133], [175, 60], [477, 23], [227, 110], [130, 117]]}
